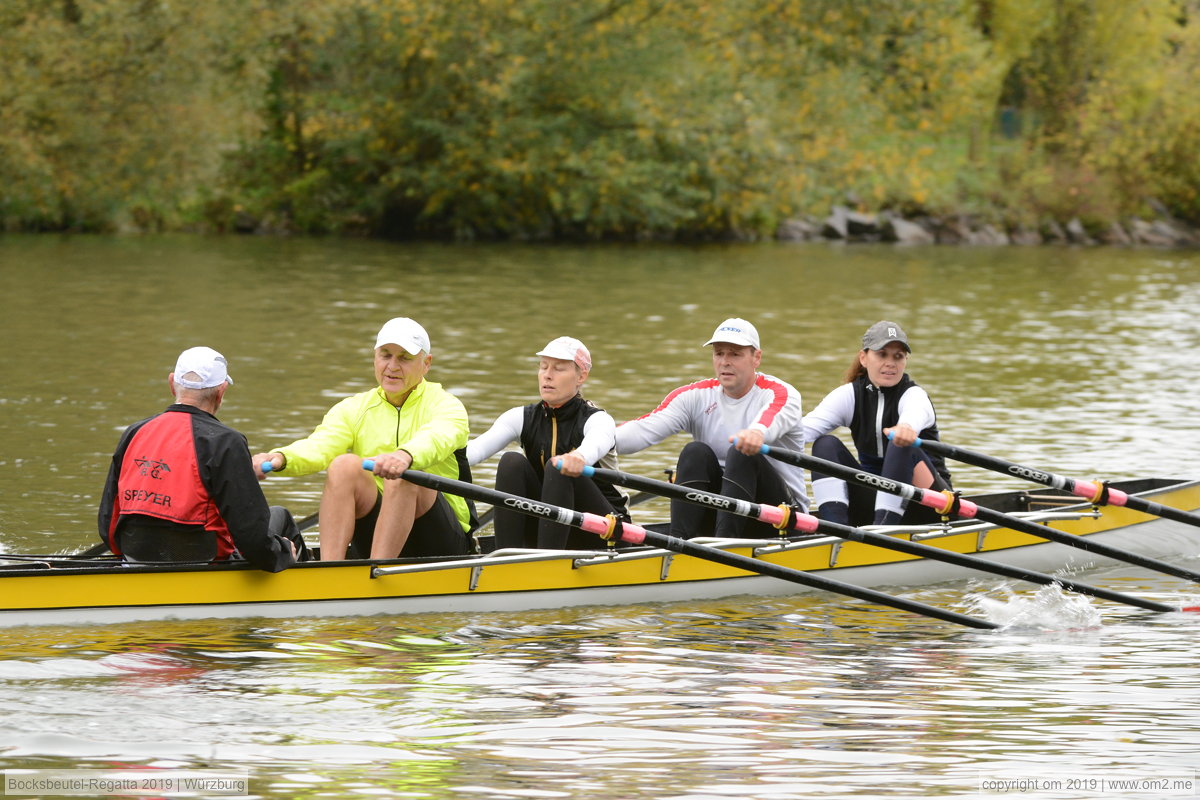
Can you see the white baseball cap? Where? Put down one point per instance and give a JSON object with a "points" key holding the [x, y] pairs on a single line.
{"points": [[207, 364], [406, 333], [569, 349], [735, 331]]}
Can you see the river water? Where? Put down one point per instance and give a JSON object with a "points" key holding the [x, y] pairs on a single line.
{"points": [[1074, 360]]}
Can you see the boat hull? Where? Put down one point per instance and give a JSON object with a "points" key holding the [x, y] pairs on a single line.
{"points": [[52, 593]]}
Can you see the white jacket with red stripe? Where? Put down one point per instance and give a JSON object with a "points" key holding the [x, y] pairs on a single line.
{"points": [[711, 416]]}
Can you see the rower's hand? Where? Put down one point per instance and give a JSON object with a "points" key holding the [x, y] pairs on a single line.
{"points": [[274, 459], [570, 464], [392, 465], [902, 435], [748, 442]]}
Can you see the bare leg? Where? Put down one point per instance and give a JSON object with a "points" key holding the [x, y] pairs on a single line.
{"points": [[922, 477], [403, 502], [350, 493]]}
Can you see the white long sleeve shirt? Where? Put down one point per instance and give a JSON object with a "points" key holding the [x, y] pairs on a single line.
{"points": [[599, 435], [712, 417], [836, 410]]}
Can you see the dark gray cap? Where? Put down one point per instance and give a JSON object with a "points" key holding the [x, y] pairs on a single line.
{"points": [[882, 332]]}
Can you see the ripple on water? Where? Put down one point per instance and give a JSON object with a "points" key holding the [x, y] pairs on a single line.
{"points": [[748, 697]]}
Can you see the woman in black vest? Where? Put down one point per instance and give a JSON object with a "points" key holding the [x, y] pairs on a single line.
{"points": [[877, 399], [564, 428]]}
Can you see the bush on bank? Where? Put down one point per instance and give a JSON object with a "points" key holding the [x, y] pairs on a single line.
{"points": [[537, 119]]}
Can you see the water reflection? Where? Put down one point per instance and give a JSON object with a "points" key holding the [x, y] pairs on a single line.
{"points": [[755, 698]]}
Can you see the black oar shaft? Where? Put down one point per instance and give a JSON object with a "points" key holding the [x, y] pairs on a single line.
{"points": [[1085, 489], [1159, 510], [806, 522], [808, 579], [637, 535], [979, 512]]}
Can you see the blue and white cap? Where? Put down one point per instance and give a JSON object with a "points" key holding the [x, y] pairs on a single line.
{"points": [[735, 331]]}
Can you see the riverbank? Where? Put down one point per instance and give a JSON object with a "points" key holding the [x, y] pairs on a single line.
{"points": [[844, 224]]}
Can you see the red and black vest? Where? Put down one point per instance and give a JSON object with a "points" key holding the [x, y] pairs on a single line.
{"points": [[159, 477]]}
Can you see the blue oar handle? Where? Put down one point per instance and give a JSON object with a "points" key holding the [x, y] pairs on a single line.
{"points": [[917, 443], [267, 466], [587, 471], [369, 464], [763, 448]]}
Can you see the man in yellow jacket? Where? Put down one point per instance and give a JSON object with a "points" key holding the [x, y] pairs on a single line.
{"points": [[405, 422]]}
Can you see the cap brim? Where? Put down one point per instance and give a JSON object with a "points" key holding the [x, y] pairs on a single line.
{"points": [[883, 344], [408, 348]]}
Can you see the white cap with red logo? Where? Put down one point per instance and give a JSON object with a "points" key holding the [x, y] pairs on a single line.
{"points": [[569, 349]]}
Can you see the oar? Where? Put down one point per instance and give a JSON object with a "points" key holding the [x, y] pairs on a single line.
{"points": [[780, 516], [636, 500], [1096, 493], [949, 504], [91, 552], [635, 534]]}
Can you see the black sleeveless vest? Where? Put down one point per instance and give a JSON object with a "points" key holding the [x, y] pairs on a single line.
{"points": [[548, 432], [866, 426]]}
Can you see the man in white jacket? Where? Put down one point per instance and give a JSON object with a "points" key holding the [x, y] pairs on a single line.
{"points": [[730, 418]]}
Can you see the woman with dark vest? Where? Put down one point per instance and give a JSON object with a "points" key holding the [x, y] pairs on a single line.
{"points": [[564, 428], [877, 399]]}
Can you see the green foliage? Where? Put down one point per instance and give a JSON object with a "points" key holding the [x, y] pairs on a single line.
{"points": [[517, 119], [1098, 75], [541, 119], [598, 118], [110, 111]]}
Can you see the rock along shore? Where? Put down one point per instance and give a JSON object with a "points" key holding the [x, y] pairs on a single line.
{"points": [[848, 225]]}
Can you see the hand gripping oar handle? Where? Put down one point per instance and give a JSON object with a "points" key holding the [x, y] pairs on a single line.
{"points": [[778, 516], [636, 534], [312, 518], [1091, 491], [796, 520], [949, 504], [592, 523]]}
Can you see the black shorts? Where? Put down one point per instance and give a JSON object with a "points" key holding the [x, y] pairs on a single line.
{"points": [[437, 532]]}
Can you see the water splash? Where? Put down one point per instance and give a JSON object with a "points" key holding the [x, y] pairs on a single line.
{"points": [[1050, 608]]}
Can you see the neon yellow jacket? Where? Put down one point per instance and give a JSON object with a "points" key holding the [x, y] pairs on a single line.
{"points": [[430, 426]]}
